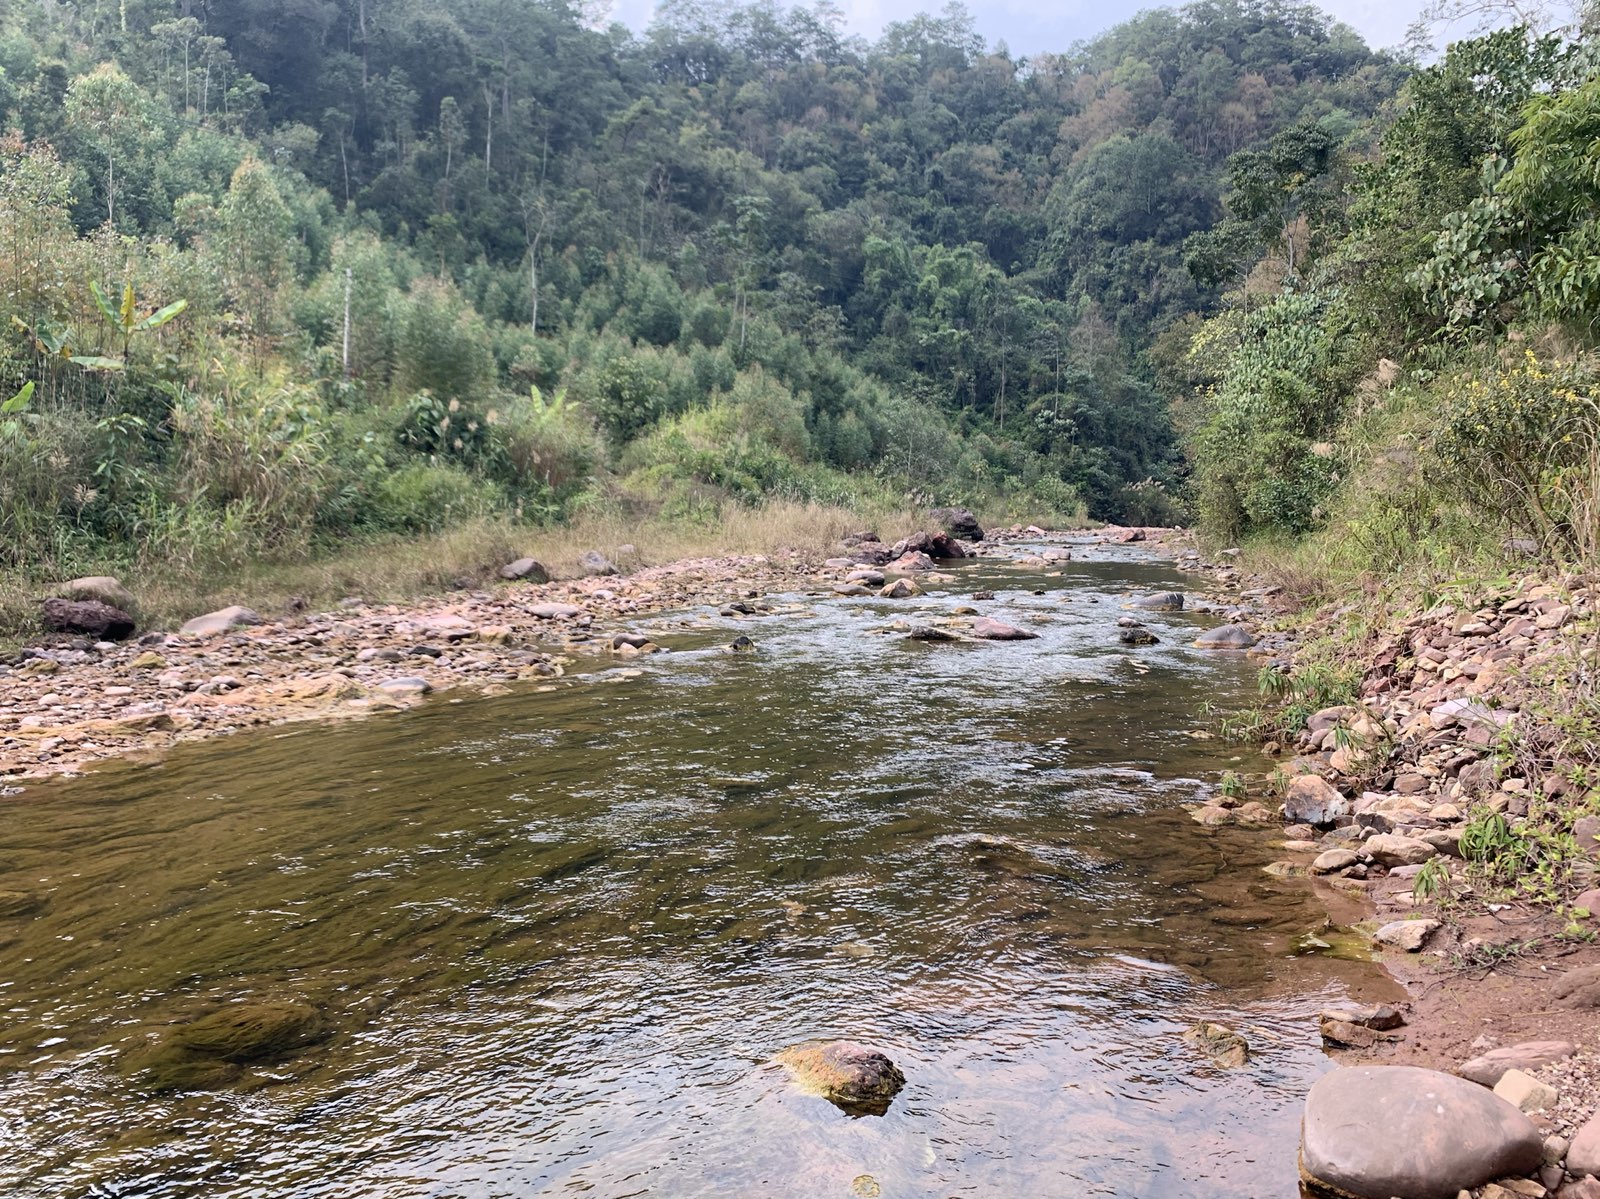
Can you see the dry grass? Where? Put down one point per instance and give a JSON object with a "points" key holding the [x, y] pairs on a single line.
{"points": [[406, 568]]}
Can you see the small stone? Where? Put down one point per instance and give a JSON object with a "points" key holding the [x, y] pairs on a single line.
{"points": [[149, 660], [1555, 1150], [1528, 1056], [1333, 860], [409, 685], [525, 570], [1378, 1015], [1525, 1092], [1221, 1044], [1407, 935], [555, 611], [221, 621]]}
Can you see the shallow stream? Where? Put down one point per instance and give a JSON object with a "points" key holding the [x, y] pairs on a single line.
{"points": [[556, 935]]}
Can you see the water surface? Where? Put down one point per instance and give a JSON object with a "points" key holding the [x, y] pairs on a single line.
{"points": [[557, 934]]}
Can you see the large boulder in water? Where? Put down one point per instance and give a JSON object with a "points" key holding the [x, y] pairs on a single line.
{"points": [[1377, 1132], [857, 1080], [1167, 601], [1228, 636], [88, 618], [959, 522]]}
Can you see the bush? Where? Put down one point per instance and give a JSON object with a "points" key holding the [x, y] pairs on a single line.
{"points": [[1520, 445], [425, 498]]}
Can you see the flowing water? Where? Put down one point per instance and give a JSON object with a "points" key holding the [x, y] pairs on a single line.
{"points": [[557, 935]]}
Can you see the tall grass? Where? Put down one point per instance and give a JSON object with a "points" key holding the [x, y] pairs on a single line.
{"points": [[470, 553]]}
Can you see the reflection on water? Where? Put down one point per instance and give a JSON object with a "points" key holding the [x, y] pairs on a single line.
{"points": [[558, 934]]}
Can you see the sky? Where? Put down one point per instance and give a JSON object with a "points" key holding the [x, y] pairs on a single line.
{"points": [[1031, 26]]}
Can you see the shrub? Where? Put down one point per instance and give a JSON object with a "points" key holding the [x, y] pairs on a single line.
{"points": [[1520, 444]]}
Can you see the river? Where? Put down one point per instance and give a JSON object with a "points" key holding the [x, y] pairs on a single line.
{"points": [[555, 936]]}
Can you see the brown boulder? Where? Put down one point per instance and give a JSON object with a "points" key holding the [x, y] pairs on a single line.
{"points": [[1373, 1132], [857, 1080], [1487, 1068], [87, 618], [1578, 988]]}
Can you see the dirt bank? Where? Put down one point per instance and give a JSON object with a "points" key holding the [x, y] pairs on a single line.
{"points": [[1468, 723]]}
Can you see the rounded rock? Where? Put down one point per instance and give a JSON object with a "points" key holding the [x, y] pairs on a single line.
{"points": [[1379, 1131]]}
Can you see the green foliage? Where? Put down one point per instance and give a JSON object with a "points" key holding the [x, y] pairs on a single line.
{"points": [[1554, 188], [1521, 441], [1262, 461]]}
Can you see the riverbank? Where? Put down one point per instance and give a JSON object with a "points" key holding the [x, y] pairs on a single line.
{"points": [[1436, 765], [67, 701]]}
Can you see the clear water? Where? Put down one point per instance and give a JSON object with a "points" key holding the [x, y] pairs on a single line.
{"points": [[559, 934]]}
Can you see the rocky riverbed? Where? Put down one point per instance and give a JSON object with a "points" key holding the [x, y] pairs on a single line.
{"points": [[72, 698], [1458, 730], [1374, 793]]}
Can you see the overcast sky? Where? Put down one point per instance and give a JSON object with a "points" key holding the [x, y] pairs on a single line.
{"points": [[1030, 26]]}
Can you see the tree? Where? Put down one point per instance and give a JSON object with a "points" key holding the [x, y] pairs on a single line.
{"points": [[115, 116]]}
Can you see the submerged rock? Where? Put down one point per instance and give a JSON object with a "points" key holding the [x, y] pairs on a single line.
{"points": [[857, 1080], [1170, 601], [989, 629], [1228, 636], [1137, 636], [1373, 1132], [1219, 1043], [209, 1052]]}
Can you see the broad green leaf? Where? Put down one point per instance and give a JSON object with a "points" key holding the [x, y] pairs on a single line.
{"points": [[19, 401], [103, 303], [156, 319], [127, 306], [95, 362]]}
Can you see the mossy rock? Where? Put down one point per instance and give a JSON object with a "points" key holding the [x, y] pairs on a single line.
{"points": [[209, 1052], [251, 1032], [857, 1080], [19, 903]]}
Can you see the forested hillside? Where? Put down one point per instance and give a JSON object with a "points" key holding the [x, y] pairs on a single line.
{"points": [[285, 274]]}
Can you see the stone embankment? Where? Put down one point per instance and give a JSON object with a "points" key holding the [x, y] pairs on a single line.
{"points": [[1462, 729]]}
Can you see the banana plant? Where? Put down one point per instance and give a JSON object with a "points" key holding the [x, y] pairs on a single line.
{"points": [[53, 344], [125, 318], [15, 410]]}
